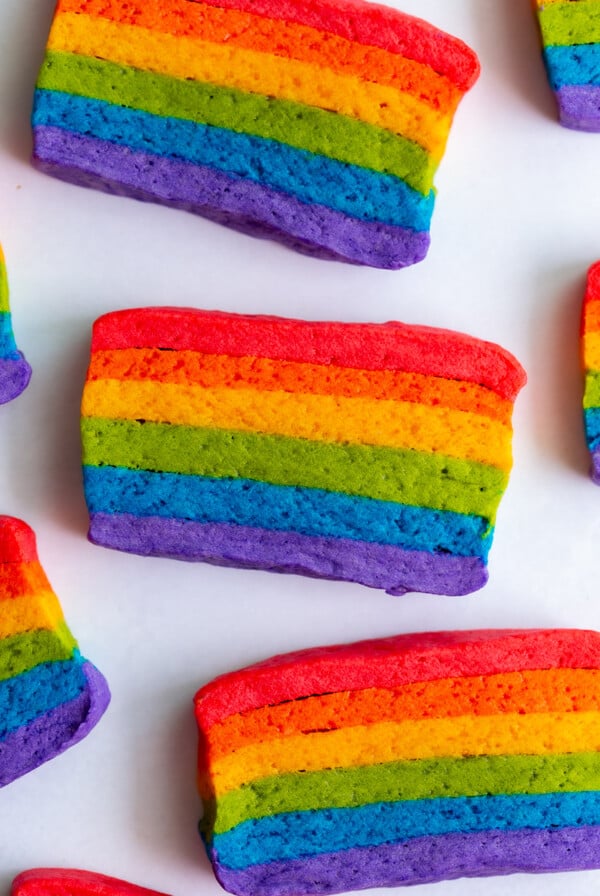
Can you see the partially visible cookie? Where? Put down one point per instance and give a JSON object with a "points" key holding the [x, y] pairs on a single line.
{"points": [[71, 882], [15, 372], [571, 41], [590, 348], [369, 453], [318, 124], [50, 697], [405, 760]]}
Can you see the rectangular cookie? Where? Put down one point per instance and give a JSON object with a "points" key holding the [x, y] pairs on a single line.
{"points": [[320, 125], [372, 453], [406, 760], [571, 45], [590, 352]]}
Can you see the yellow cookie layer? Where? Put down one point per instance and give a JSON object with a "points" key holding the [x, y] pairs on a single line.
{"points": [[316, 417], [511, 733], [591, 350], [27, 613], [248, 70], [274, 375]]}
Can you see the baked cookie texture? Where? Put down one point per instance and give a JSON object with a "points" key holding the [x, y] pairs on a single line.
{"points": [[317, 124], [571, 45], [50, 697], [590, 349], [73, 882], [371, 453], [15, 372], [407, 760]]}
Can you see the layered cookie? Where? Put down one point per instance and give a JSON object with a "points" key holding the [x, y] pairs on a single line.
{"points": [[50, 697], [590, 350], [371, 453], [403, 761], [320, 125], [571, 40], [15, 372]]}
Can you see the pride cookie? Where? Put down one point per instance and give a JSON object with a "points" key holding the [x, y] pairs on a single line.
{"points": [[571, 41], [317, 124], [590, 346], [407, 760], [15, 372], [50, 697], [68, 882], [371, 453]]}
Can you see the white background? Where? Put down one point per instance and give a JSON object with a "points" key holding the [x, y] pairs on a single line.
{"points": [[516, 226]]}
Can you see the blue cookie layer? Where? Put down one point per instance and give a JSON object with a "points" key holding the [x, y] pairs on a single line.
{"points": [[591, 418], [301, 834], [313, 179], [313, 512], [8, 346], [29, 695], [579, 64]]}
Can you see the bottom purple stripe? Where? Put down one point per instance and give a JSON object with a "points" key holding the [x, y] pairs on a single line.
{"points": [[595, 471], [579, 107], [15, 374], [420, 861], [379, 566], [244, 205], [54, 731]]}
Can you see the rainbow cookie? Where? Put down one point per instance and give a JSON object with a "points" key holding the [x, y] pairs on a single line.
{"points": [[590, 344], [372, 453], [50, 697], [403, 761], [68, 882], [15, 372], [571, 40], [317, 124]]}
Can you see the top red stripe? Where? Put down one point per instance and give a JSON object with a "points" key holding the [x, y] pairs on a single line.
{"points": [[390, 346], [17, 541], [374, 25], [592, 293], [393, 662], [60, 881]]}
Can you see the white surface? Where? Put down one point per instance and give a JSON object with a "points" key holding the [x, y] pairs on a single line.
{"points": [[515, 228]]}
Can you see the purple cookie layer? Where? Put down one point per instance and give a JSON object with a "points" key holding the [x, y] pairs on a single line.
{"points": [[420, 861], [595, 471], [579, 107], [14, 378], [377, 565], [250, 207], [55, 731]]}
